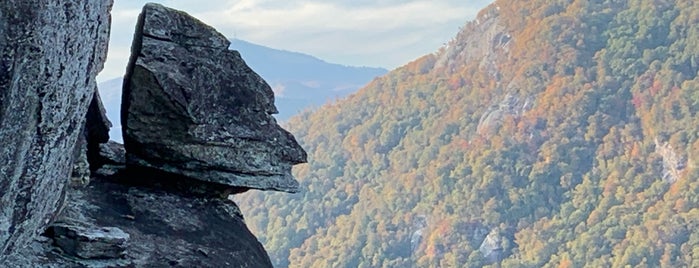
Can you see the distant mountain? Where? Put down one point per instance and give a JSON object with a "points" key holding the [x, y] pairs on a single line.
{"points": [[110, 92], [299, 81], [545, 134]]}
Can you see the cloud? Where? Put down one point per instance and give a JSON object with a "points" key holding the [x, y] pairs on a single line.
{"points": [[382, 33], [311, 84], [278, 89]]}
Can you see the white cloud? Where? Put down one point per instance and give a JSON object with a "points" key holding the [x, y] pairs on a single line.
{"points": [[278, 89], [371, 33], [311, 84]]}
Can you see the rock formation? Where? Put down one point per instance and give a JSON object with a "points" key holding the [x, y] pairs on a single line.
{"points": [[132, 219], [95, 132], [196, 132], [136, 219], [50, 52], [192, 107]]}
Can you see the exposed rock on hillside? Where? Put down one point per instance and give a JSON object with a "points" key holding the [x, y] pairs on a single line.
{"points": [[192, 107], [511, 105], [483, 40], [50, 52]]}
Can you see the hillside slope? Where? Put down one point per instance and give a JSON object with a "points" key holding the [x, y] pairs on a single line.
{"points": [[546, 133]]}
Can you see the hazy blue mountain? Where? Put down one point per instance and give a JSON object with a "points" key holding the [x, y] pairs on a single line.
{"points": [[299, 80], [110, 92]]}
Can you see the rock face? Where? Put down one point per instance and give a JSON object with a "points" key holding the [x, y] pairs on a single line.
{"points": [[90, 243], [199, 129], [96, 129], [192, 107], [166, 226], [497, 245], [50, 52], [134, 219], [87, 149]]}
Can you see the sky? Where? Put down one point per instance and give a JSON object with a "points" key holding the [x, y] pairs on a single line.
{"points": [[376, 33]]}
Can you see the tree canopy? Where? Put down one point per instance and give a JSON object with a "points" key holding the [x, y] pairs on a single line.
{"points": [[546, 133]]}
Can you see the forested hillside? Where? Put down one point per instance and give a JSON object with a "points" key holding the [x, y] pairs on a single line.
{"points": [[546, 133]]}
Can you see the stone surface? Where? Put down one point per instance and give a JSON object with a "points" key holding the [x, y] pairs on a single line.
{"points": [[167, 226], [497, 245], [87, 150], [192, 107], [81, 166], [50, 52], [491, 247], [112, 153], [96, 130], [89, 242], [112, 158]]}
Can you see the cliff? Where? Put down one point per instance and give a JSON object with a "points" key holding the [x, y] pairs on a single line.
{"points": [[51, 53], [161, 200]]}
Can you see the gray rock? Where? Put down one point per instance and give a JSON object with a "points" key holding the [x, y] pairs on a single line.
{"points": [[96, 130], [151, 223], [111, 158], [497, 245], [50, 52], [89, 242], [192, 107], [87, 149], [112, 153], [81, 166], [491, 248], [166, 226]]}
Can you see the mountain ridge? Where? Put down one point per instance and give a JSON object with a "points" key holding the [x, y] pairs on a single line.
{"points": [[544, 134], [257, 53]]}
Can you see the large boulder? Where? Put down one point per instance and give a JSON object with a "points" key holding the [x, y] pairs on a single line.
{"points": [[191, 106], [50, 53]]}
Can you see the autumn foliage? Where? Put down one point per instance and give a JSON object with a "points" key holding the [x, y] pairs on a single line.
{"points": [[567, 127]]}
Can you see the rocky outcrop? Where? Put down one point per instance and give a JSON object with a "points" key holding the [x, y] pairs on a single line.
{"points": [[511, 105], [673, 164], [136, 219], [197, 133], [50, 52], [491, 247], [87, 242], [497, 245], [485, 40], [192, 107], [166, 225]]}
